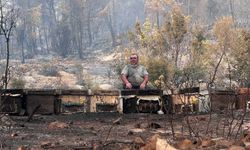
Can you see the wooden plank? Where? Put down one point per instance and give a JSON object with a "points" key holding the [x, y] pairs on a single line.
{"points": [[141, 92], [105, 92], [12, 91], [57, 105], [41, 92], [223, 92], [74, 92], [73, 99], [190, 90]]}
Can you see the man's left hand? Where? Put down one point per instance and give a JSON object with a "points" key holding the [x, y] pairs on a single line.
{"points": [[142, 86]]}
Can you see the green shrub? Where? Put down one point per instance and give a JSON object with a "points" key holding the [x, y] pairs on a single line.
{"points": [[159, 67], [18, 83]]}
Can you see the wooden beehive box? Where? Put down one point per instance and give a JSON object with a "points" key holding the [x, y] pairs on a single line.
{"points": [[243, 98], [74, 100], [222, 100], [103, 101], [47, 100], [11, 101], [131, 99]]}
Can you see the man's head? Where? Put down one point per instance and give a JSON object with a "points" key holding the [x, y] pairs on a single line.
{"points": [[134, 59]]}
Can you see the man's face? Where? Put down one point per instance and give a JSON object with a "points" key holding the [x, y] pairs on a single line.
{"points": [[133, 59]]}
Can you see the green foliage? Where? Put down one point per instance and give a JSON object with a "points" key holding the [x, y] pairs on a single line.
{"points": [[176, 26], [187, 77], [233, 43], [222, 30], [176, 80], [197, 43], [175, 29], [240, 61], [155, 43], [118, 67], [206, 58], [18, 83], [149, 37], [147, 27], [158, 67], [192, 74], [119, 63], [140, 34], [133, 37]]}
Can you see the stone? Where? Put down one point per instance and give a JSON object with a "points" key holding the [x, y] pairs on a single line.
{"points": [[139, 141], [14, 134], [46, 144], [224, 144], [58, 125], [207, 142], [151, 144], [185, 144], [235, 147], [157, 143], [22, 148], [162, 144]]}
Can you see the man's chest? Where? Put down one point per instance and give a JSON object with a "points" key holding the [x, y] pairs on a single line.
{"points": [[135, 70]]}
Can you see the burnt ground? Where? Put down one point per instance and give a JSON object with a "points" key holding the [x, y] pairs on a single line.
{"points": [[113, 131]]}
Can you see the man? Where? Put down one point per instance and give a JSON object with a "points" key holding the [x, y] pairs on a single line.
{"points": [[133, 75]]}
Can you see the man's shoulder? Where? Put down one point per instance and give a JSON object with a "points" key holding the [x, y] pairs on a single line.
{"points": [[142, 66], [126, 67], [129, 66]]}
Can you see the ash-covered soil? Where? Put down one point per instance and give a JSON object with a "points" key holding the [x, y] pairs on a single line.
{"points": [[76, 131]]}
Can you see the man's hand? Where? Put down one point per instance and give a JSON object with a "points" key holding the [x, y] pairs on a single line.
{"points": [[128, 85], [144, 83], [142, 86], [126, 82]]}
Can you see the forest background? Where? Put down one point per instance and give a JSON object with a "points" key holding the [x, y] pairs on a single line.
{"points": [[183, 43]]}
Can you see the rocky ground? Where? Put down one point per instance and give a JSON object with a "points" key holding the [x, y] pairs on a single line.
{"points": [[113, 131]]}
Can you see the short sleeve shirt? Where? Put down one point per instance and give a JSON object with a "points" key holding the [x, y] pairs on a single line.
{"points": [[135, 74]]}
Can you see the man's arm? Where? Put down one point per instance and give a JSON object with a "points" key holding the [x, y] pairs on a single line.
{"points": [[126, 82], [144, 83]]}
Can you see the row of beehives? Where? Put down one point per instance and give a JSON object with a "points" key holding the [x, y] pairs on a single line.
{"points": [[215, 100], [57, 101]]}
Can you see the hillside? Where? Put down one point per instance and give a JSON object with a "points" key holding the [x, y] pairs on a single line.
{"points": [[69, 73]]}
